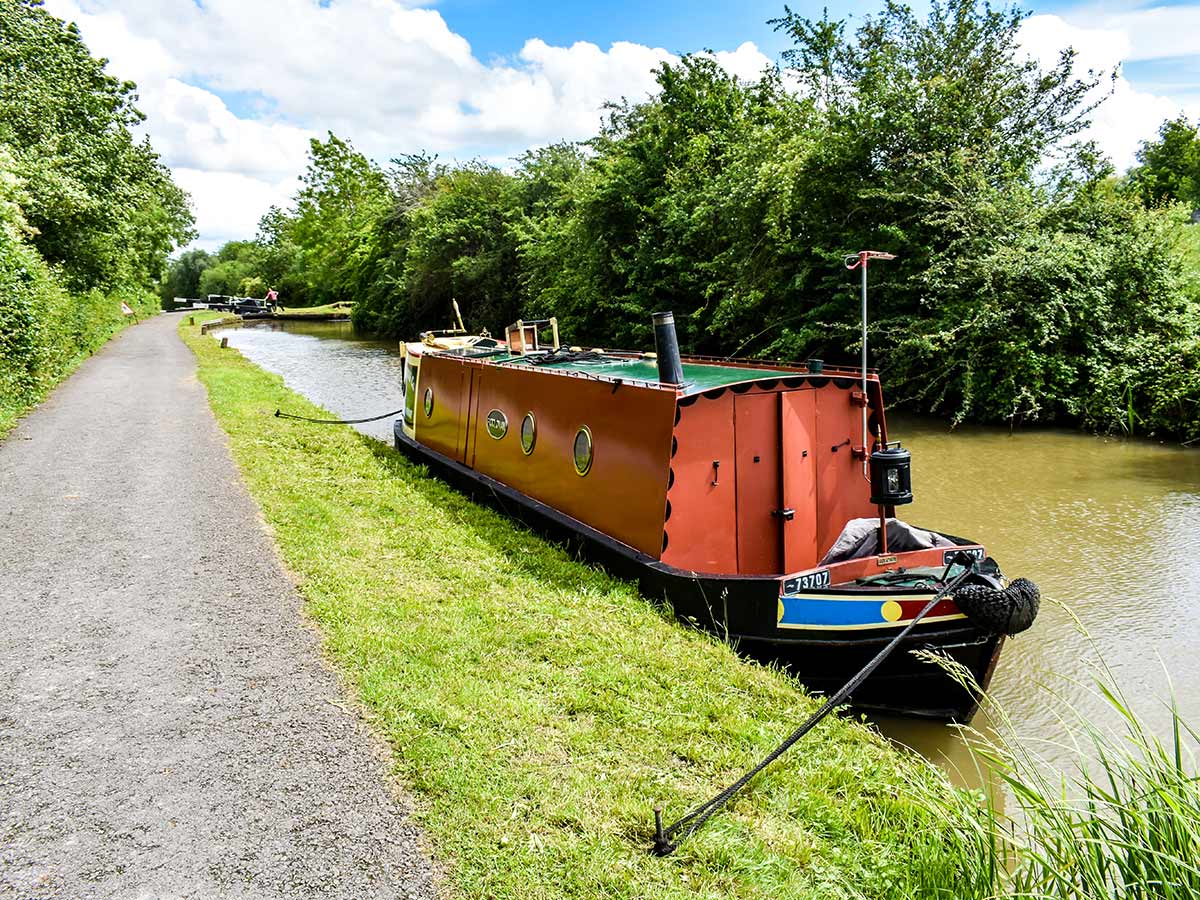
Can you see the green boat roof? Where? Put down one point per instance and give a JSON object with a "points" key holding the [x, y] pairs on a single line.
{"points": [[697, 377]]}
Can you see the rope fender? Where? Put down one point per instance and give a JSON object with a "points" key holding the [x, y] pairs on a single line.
{"points": [[1008, 610]]}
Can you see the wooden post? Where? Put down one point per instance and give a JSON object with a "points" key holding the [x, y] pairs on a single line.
{"points": [[224, 342], [191, 320]]}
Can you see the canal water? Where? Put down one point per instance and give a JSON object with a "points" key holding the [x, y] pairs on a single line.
{"points": [[1108, 528], [353, 376]]}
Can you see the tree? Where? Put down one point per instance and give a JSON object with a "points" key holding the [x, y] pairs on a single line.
{"points": [[88, 214], [280, 260], [641, 225], [252, 286], [382, 300], [236, 263], [912, 111], [1028, 285], [1169, 168], [183, 275], [1019, 293], [102, 205], [343, 197], [460, 247]]}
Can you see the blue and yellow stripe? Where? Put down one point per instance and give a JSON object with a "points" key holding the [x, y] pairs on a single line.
{"points": [[834, 612]]}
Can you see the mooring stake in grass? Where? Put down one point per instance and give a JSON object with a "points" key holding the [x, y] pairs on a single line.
{"points": [[535, 705], [694, 820]]}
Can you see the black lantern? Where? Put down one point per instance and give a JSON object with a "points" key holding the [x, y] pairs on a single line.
{"points": [[891, 476]]}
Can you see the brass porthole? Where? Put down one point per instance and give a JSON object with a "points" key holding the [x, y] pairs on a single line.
{"points": [[428, 402], [528, 433], [582, 450]]}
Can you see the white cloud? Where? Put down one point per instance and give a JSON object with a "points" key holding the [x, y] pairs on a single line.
{"points": [[1096, 48], [1157, 32], [557, 92], [1128, 116], [193, 128], [389, 75], [747, 62], [228, 205]]}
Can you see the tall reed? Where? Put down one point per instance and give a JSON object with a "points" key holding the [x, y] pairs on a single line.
{"points": [[1122, 822]]}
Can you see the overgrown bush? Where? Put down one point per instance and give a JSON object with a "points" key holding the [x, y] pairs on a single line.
{"points": [[88, 214], [45, 331]]}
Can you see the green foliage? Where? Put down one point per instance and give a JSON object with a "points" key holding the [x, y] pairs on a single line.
{"points": [[342, 197], [1020, 293], [252, 286], [1081, 312], [279, 258], [87, 214], [101, 204], [235, 263], [183, 275], [669, 214], [1169, 168], [459, 244], [45, 330]]}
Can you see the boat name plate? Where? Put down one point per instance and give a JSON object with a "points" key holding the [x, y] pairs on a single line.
{"points": [[497, 424]]}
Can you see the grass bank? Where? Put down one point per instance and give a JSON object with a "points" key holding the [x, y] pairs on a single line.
{"points": [[342, 307], [538, 708]]}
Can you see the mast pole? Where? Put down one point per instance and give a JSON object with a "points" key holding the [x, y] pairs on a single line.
{"points": [[863, 263], [860, 260]]}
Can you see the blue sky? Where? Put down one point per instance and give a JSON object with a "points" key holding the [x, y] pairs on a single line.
{"points": [[233, 91], [499, 28]]}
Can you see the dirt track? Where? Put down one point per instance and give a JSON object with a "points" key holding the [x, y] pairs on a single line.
{"points": [[167, 725]]}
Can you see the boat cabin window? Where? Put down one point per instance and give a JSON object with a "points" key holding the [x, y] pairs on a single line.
{"points": [[428, 402], [410, 391], [583, 450], [528, 433]]}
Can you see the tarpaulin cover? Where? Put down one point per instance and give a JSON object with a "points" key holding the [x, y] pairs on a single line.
{"points": [[860, 538]]}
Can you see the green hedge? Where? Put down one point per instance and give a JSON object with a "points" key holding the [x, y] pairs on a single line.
{"points": [[45, 331]]}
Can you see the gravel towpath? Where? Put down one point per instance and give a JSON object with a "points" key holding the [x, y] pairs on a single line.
{"points": [[168, 727]]}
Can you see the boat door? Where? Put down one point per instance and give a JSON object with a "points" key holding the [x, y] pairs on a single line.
{"points": [[798, 411], [470, 433], [775, 480], [757, 476]]}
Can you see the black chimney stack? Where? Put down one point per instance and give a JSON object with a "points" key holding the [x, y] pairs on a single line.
{"points": [[666, 349]]}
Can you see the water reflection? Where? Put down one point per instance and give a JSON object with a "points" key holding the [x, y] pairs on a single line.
{"points": [[1108, 528]]}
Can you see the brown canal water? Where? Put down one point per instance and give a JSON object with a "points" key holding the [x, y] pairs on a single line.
{"points": [[1110, 531], [1108, 528]]}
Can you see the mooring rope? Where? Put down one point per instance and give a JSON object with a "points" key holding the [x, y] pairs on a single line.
{"points": [[690, 823], [283, 415]]}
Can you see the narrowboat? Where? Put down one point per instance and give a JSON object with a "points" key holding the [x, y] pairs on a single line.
{"points": [[757, 499]]}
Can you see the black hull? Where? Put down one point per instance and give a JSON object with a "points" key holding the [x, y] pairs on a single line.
{"points": [[903, 684], [742, 610]]}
